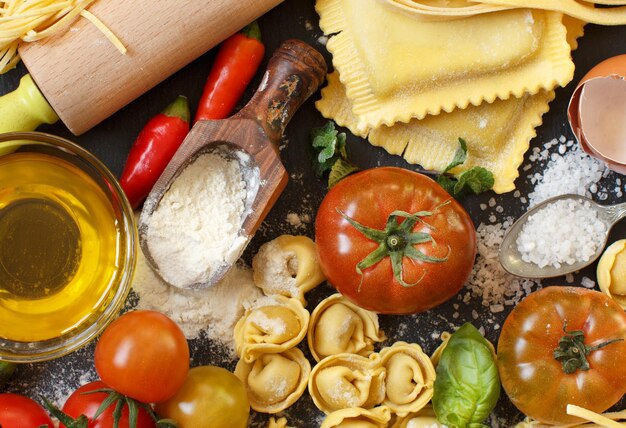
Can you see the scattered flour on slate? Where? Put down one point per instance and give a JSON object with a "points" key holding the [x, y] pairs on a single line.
{"points": [[214, 310]]}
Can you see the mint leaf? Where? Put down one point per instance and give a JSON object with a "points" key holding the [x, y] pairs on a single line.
{"points": [[460, 156], [475, 180], [447, 182], [340, 170], [330, 153]]}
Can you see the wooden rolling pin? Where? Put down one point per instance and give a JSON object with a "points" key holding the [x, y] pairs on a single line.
{"points": [[86, 79]]}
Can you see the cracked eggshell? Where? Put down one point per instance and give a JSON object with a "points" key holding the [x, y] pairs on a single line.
{"points": [[596, 114]]}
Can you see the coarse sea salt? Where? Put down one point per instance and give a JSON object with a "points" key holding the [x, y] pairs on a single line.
{"points": [[562, 232], [489, 281]]}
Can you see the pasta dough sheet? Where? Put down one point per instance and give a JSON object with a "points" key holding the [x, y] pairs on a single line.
{"points": [[396, 68], [441, 10], [497, 134]]}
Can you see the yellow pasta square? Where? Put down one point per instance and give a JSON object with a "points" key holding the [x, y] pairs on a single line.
{"points": [[396, 68], [498, 134]]}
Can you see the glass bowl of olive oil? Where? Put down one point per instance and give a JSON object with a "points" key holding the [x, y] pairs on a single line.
{"points": [[68, 246]]}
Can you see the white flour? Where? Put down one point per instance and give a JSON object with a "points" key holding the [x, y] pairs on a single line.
{"points": [[191, 232], [215, 310]]}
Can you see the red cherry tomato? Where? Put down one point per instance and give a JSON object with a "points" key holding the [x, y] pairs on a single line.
{"points": [[17, 411], [144, 355], [80, 403], [362, 230], [535, 380]]}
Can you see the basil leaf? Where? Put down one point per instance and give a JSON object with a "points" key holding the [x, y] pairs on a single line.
{"points": [[467, 385]]}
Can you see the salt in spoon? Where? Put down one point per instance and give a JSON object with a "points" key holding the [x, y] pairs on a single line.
{"points": [[511, 259]]}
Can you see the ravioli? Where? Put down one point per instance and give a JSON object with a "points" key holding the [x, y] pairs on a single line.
{"points": [[410, 378], [357, 417], [339, 326], [275, 381], [396, 68], [272, 325], [347, 380], [498, 134]]}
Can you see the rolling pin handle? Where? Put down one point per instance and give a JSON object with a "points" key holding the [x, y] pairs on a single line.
{"points": [[25, 108], [294, 73]]}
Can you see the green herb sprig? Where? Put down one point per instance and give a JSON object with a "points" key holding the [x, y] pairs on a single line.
{"points": [[331, 155], [475, 180]]}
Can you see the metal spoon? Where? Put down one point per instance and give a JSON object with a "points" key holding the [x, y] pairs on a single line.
{"points": [[511, 259]]}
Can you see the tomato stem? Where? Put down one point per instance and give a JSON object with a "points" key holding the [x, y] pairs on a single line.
{"points": [[572, 351], [398, 241]]}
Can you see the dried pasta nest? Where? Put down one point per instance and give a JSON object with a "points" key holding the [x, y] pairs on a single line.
{"points": [[425, 418], [339, 326], [354, 417], [272, 325], [347, 380], [287, 266], [410, 378], [275, 381]]}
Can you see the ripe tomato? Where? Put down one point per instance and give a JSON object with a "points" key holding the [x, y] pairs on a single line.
{"points": [[144, 355], [17, 411], [535, 381], [408, 263], [211, 397], [80, 403]]}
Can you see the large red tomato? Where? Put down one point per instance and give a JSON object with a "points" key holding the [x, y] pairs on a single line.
{"points": [[394, 241], [144, 355], [84, 402], [17, 411], [541, 353]]}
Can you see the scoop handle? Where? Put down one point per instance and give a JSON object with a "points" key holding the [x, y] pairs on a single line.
{"points": [[293, 74]]}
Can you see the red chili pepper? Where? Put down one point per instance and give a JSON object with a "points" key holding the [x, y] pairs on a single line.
{"points": [[236, 64], [153, 149]]}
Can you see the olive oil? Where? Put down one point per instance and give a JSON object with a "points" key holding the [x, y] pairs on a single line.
{"points": [[59, 247]]}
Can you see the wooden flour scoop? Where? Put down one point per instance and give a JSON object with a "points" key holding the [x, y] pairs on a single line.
{"points": [[251, 137]]}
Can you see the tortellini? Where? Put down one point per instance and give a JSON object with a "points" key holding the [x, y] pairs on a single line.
{"points": [[339, 326], [434, 358], [275, 381], [272, 325], [410, 377], [347, 380], [287, 266], [357, 417], [425, 418]]}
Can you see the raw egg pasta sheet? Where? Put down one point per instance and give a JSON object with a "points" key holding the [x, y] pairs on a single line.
{"points": [[580, 10], [396, 68], [497, 134], [443, 10]]}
